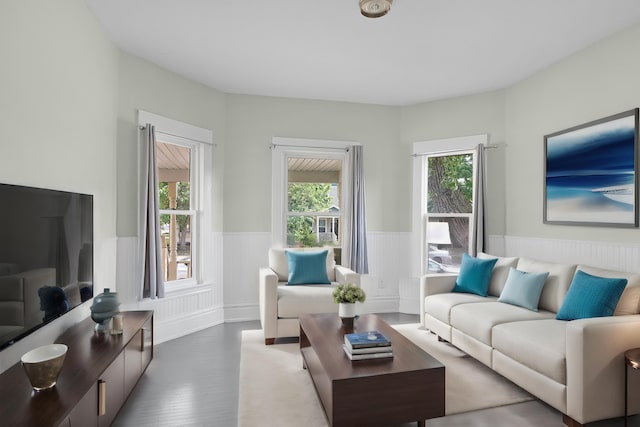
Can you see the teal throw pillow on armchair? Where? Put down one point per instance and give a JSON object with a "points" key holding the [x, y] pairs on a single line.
{"points": [[475, 275], [307, 268], [591, 296]]}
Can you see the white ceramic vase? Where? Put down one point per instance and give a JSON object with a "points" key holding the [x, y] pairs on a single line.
{"points": [[347, 309]]}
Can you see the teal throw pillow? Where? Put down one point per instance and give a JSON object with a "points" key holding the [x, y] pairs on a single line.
{"points": [[523, 289], [591, 296], [475, 275], [307, 268]]}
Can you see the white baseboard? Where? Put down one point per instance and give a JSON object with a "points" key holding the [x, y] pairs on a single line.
{"points": [[380, 305], [241, 312], [249, 312], [194, 322]]}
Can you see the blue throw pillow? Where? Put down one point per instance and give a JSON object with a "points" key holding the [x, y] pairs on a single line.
{"points": [[307, 268], [523, 289], [475, 275], [591, 296]]}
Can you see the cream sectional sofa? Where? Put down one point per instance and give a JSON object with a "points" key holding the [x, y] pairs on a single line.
{"points": [[575, 366], [281, 305]]}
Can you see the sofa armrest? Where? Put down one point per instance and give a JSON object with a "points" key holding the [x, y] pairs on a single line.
{"points": [[11, 304], [268, 294], [595, 365], [23, 288], [346, 275], [433, 283], [34, 280]]}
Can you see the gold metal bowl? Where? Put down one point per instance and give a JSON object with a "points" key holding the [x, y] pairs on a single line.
{"points": [[43, 365]]}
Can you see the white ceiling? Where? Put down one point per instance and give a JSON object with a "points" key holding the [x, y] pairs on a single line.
{"points": [[421, 51]]}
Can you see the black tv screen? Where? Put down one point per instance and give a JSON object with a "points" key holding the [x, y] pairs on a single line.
{"points": [[46, 257]]}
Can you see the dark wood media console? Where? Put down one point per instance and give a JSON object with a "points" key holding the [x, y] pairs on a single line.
{"points": [[99, 373]]}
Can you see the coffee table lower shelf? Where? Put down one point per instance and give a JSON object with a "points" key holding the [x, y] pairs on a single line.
{"points": [[379, 392]]}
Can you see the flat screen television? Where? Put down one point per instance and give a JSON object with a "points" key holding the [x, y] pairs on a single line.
{"points": [[46, 257]]}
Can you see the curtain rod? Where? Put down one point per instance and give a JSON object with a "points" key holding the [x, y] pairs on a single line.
{"points": [[486, 147], [272, 146], [180, 136]]}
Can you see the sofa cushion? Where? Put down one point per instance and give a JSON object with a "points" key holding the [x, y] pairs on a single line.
{"points": [[538, 344], [293, 301], [279, 264], [477, 320], [630, 300], [307, 268], [439, 305], [523, 289], [500, 272], [475, 274], [556, 285], [591, 296]]}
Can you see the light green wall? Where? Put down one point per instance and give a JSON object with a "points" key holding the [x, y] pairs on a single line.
{"points": [[145, 86], [58, 86], [594, 83], [463, 116], [252, 123], [67, 77]]}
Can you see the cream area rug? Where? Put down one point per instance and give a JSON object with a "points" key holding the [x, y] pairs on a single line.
{"points": [[276, 391]]}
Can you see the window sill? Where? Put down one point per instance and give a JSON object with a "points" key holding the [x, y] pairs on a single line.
{"points": [[173, 289]]}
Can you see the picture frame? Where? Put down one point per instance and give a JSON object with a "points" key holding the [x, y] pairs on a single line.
{"points": [[591, 173]]}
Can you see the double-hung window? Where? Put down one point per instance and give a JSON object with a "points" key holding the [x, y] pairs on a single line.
{"points": [[445, 179], [177, 188], [184, 172], [309, 193]]}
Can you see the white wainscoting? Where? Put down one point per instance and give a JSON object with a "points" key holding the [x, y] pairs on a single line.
{"points": [[609, 255], [245, 253], [232, 296], [389, 266], [182, 312]]}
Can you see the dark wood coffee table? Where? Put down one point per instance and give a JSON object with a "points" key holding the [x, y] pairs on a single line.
{"points": [[379, 392]]}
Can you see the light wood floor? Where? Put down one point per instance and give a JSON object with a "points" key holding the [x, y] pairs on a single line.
{"points": [[193, 381]]}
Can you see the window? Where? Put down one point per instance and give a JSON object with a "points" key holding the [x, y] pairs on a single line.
{"points": [[309, 191], [445, 186], [449, 209], [184, 169], [177, 209], [313, 201]]}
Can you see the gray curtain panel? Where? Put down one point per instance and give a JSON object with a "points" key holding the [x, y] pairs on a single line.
{"points": [[358, 221], [477, 239], [152, 281]]}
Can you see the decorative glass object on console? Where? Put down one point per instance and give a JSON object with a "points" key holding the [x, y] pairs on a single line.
{"points": [[118, 324], [104, 307]]}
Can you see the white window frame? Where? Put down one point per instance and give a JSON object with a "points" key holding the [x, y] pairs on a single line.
{"points": [[195, 184], [421, 151], [200, 141], [282, 149]]}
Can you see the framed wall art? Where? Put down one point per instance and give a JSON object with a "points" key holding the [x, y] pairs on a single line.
{"points": [[591, 173]]}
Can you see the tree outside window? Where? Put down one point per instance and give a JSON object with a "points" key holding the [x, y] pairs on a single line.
{"points": [[311, 199], [450, 200]]}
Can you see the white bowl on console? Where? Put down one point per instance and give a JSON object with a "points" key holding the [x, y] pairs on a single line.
{"points": [[43, 364]]}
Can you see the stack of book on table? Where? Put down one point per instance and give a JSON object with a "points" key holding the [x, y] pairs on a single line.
{"points": [[367, 345]]}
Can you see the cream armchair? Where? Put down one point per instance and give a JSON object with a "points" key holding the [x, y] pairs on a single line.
{"points": [[282, 304]]}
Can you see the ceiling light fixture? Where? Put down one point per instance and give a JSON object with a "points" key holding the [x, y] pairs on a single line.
{"points": [[375, 8]]}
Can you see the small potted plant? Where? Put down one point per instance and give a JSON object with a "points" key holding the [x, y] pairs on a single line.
{"points": [[346, 295]]}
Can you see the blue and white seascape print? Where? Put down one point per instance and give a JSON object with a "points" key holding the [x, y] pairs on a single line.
{"points": [[590, 174]]}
